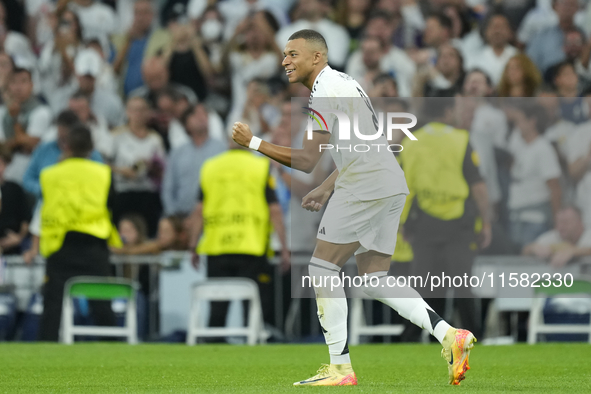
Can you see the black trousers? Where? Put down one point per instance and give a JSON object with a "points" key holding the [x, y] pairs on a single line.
{"points": [[452, 257], [256, 268], [80, 254]]}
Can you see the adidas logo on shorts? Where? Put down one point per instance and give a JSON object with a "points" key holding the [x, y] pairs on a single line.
{"points": [[322, 231]]}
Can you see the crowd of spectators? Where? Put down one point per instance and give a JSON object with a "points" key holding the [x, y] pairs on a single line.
{"points": [[160, 83]]}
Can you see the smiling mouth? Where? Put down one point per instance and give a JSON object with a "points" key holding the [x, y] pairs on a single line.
{"points": [[288, 72]]}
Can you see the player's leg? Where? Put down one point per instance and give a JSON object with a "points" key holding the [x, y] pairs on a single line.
{"points": [[326, 264], [324, 270], [405, 300], [373, 259], [456, 343]]}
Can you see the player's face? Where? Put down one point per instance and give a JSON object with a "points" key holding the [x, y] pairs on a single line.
{"points": [[298, 60]]}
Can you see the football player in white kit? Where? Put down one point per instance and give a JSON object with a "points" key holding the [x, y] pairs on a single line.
{"points": [[362, 217]]}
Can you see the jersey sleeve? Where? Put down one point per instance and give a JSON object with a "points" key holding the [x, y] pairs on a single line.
{"points": [[319, 108]]}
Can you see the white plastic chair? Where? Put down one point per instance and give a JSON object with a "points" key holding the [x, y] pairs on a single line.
{"points": [[226, 289], [359, 327], [99, 288], [580, 287]]}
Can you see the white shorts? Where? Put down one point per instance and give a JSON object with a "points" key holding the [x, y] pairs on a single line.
{"points": [[373, 223]]}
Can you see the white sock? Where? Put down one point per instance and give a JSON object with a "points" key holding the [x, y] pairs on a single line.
{"points": [[332, 309], [407, 302], [440, 330]]}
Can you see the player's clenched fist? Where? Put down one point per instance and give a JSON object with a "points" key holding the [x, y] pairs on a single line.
{"points": [[241, 134], [314, 200]]}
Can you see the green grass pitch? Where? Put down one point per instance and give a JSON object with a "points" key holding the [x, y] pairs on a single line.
{"points": [[153, 368]]}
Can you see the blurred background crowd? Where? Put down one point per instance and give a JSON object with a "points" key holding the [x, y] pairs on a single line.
{"points": [[160, 82]]}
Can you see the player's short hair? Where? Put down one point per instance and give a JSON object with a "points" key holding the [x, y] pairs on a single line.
{"points": [[311, 36], [79, 141]]}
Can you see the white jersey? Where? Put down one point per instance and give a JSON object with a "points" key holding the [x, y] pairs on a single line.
{"points": [[367, 175]]}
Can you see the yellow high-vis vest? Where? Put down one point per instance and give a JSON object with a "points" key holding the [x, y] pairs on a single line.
{"points": [[235, 211], [433, 167], [75, 194], [403, 252]]}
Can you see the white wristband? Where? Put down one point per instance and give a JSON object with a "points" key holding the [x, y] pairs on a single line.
{"points": [[255, 142]]}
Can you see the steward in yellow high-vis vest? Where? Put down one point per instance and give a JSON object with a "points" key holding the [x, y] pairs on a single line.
{"points": [[75, 193], [236, 219], [236, 212], [75, 227], [446, 207]]}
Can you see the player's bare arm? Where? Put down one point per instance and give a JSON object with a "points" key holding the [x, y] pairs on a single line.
{"points": [[304, 159], [316, 199]]}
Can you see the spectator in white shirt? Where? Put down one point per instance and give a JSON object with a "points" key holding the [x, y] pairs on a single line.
{"points": [[444, 79], [544, 16], [258, 111], [488, 129], [40, 14], [438, 31], [394, 60], [102, 138], [353, 14], [24, 120], [106, 78], [234, 11], [493, 57], [578, 50], [567, 84], [251, 53], [87, 66], [124, 14], [364, 64], [141, 42], [166, 120], [535, 192], [138, 161], [560, 130], [567, 241], [101, 135], [56, 62], [156, 79], [311, 14], [579, 160], [17, 45], [96, 18], [6, 67], [465, 35], [407, 18]]}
